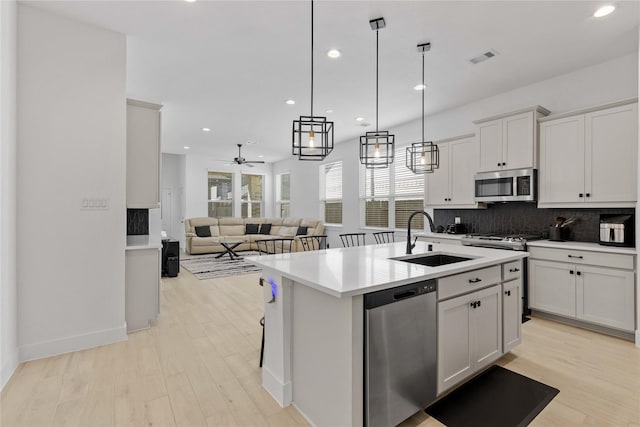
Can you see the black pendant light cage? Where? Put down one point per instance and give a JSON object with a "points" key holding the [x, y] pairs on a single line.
{"points": [[312, 136], [423, 156], [316, 129], [377, 148]]}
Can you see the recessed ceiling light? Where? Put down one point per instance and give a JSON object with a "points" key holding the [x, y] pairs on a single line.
{"points": [[359, 119], [604, 11], [329, 111], [261, 156], [334, 53], [185, 147], [290, 102], [420, 87], [206, 130], [190, 1]]}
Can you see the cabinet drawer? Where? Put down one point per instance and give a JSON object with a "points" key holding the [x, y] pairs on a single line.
{"points": [[462, 283], [512, 270], [583, 257]]}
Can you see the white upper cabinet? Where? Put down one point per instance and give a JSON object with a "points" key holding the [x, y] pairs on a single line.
{"points": [[589, 158], [509, 141], [143, 155], [451, 185]]}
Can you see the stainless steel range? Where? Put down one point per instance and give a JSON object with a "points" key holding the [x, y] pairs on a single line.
{"points": [[515, 242]]}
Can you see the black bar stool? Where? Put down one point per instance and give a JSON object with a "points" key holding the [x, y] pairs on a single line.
{"points": [[384, 237], [313, 243], [352, 239]]}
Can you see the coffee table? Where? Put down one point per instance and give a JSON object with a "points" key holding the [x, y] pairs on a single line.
{"points": [[229, 245]]}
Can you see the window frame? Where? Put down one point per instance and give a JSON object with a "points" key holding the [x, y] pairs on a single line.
{"points": [[211, 202], [249, 202], [280, 202], [324, 200], [391, 196]]}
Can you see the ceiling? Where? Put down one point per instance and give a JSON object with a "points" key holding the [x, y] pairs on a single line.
{"points": [[230, 65]]}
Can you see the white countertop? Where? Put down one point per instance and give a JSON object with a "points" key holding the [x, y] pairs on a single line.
{"points": [[582, 246], [358, 270], [143, 242]]}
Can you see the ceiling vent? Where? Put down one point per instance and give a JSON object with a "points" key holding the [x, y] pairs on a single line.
{"points": [[487, 55]]}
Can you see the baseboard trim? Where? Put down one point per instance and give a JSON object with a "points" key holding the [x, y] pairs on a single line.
{"points": [[282, 393], [8, 368], [74, 343], [629, 336]]}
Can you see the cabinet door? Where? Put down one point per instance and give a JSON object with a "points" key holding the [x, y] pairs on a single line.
{"points": [[490, 145], [143, 156], [463, 164], [511, 314], [552, 287], [611, 154], [142, 278], [454, 352], [486, 326], [605, 296], [518, 141], [562, 159], [438, 181]]}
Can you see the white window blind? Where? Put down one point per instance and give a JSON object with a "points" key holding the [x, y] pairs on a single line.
{"points": [[331, 192], [390, 195]]}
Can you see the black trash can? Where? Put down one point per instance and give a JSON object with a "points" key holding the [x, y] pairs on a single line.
{"points": [[173, 266]]}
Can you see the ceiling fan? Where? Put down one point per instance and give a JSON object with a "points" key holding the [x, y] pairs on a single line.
{"points": [[242, 161]]}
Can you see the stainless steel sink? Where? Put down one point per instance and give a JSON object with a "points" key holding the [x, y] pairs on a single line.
{"points": [[432, 260]]}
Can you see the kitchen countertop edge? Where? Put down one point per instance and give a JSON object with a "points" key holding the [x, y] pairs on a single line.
{"points": [[582, 246]]}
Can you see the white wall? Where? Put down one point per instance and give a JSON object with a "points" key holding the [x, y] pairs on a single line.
{"points": [[173, 187], [71, 145], [8, 289], [599, 84]]}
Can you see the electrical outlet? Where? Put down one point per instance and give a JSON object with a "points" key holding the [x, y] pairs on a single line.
{"points": [[94, 204], [457, 220]]}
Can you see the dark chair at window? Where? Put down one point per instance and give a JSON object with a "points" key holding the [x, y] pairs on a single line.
{"points": [[352, 239], [275, 246], [313, 243], [384, 237]]}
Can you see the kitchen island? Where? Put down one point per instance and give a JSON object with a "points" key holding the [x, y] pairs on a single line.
{"points": [[314, 319]]}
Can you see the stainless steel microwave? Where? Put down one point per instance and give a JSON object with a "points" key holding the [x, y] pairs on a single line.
{"points": [[506, 186]]}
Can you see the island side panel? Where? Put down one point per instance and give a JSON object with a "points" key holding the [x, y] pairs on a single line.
{"points": [[276, 366], [327, 357]]}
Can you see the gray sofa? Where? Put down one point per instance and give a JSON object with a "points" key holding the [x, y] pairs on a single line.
{"points": [[235, 228]]}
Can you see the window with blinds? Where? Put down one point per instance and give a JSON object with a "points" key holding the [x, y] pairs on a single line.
{"points": [[331, 192], [389, 196], [283, 194], [251, 195], [220, 189]]}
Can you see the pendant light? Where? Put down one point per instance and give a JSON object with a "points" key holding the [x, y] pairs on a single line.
{"points": [[423, 156], [376, 148], [312, 136]]}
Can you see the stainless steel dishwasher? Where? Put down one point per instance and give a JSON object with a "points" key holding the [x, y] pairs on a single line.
{"points": [[401, 339]]}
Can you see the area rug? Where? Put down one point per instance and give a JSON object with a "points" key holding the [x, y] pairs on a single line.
{"points": [[498, 398], [208, 267]]}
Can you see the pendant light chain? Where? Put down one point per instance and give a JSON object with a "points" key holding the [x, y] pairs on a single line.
{"points": [[377, 37], [423, 91], [312, 58]]}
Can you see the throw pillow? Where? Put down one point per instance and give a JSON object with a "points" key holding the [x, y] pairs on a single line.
{"points": [[265, 229], [203, 231], [302, 231], [251, 228]]}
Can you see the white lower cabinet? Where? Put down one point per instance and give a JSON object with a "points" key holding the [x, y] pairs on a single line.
{"points": [[599, 295], [444, 240], [142, 287], [469, 334], [511, 314]]}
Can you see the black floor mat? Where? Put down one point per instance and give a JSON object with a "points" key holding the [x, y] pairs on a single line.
{"points": [[496, 398]]}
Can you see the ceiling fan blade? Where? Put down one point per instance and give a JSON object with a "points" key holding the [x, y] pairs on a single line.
{"points": [[248, 164], [254, 161]]}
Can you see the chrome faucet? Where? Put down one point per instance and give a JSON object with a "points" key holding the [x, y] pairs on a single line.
{"points": [[410, 245]]}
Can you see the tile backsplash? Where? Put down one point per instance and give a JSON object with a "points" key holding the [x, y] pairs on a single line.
{"points": [[137, 222], [526, 218]]}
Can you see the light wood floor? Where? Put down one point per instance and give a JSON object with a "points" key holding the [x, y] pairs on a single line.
{"points": [[198, 366]]}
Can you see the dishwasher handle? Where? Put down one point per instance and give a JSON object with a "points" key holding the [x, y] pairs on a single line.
{"points": [[404, 294]]}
